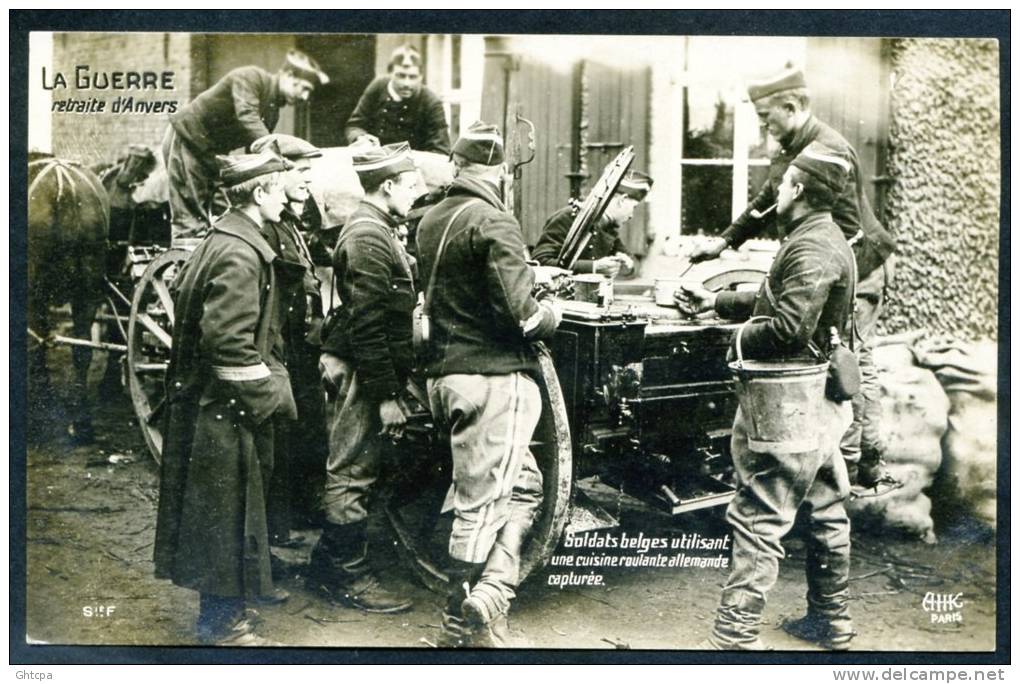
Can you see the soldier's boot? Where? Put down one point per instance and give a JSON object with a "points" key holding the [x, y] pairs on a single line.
{"points": [[737, 625], [827, 622], [339, 570], [454, 631], [872, 471], [486, 606]]}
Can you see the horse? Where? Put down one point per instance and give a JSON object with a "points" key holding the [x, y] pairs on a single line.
{"points": [[69, 216]]}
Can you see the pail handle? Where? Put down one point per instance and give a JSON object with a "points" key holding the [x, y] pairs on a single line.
{"points": [[740, 334]]}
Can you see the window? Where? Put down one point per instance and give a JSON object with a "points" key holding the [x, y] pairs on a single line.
{"points": [[455, 67], [724, 155]]}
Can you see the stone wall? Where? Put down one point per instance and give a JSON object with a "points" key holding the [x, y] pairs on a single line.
{"points": [[97, 137], [943, 204]]}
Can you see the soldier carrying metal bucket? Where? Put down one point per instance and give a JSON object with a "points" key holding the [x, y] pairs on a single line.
{"points": [[807, 293]]}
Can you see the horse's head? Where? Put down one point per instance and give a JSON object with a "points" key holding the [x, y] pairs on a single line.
{"points": [[128, 173], [136, 166]]}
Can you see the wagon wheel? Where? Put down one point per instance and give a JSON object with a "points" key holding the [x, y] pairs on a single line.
{"points": [[150, 331], [414, 496]]}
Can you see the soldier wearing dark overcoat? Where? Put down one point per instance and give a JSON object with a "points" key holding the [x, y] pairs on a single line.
{"points": [[226, 382], [240, 108], [300, 445]]}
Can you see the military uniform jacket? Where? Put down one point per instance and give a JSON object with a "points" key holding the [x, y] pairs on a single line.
{"points": [[375, 281], [605, 241], [226, 378], [811, 283], [303, 313], [852, 211], [482, 303], [242, 107], [420, 119]]}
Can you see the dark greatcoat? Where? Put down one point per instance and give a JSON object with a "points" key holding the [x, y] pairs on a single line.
{"points": [[301, 445], [605, 241], [218, 449]]}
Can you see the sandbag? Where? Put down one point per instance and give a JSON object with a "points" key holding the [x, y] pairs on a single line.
{"points": [[336, 189], [914, 420], [968, 374]]}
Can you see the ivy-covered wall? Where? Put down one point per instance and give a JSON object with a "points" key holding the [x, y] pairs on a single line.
{"points": [[943, 204]]}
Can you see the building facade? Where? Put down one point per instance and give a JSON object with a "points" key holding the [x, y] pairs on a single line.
{"points": [[923, 115]]}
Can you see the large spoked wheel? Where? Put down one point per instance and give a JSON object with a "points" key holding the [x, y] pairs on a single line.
{"points": [[414, 497], [150, 331]]}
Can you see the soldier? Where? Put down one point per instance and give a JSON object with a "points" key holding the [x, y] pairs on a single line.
{"points": [[807, 293], [300, 446], [242, 107], [366, 364], [225, 384], [481, 370], [399, 108], [605, 252], [783, 105]]}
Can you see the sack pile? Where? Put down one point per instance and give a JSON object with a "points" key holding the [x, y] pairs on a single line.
{"points": [[914, 420], [968, 374]]}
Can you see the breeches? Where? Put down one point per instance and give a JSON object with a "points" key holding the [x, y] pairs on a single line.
{"points": [[491, 419]]}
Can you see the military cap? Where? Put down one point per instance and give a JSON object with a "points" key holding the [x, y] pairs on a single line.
{"points": [[482, 144], [236, 169], [635, 184], [289, 146], [825, 164], [376, 164], [791, 79], [304, 67]]}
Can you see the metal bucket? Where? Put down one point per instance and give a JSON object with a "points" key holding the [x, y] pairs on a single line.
{"points": [[593, 288], [781, 402]]}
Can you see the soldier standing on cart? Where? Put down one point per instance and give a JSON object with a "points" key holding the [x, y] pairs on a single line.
{"points": [[783, 105], [300, 445], [366, 365], [242, 107], [481, 370], [225, 384], [605, 252], [806, 296]]}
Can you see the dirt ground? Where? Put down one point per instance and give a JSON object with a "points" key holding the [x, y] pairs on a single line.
{"points": [[90, 526]]}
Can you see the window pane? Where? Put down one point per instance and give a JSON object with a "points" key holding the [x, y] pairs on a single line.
{"points": [[718, 69], [706, 198]]}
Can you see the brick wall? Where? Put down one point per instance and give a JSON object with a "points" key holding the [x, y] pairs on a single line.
{"points": [[93, 138], [943, 206]]}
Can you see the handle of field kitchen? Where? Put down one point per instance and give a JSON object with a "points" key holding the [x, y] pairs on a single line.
{"points": [[740, 334]]}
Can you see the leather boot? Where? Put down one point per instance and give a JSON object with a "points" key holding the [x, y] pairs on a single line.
{"points": [[486, 606], [827, 621], [339, 569], [737, 624], [454, 631]]}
